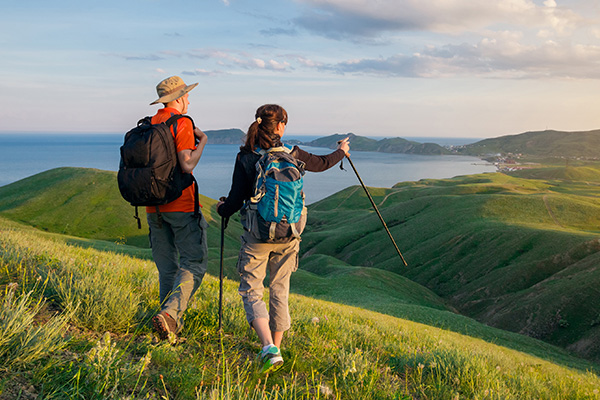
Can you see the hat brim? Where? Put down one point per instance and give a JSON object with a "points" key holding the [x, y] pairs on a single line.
{"points": [[175, 95]]}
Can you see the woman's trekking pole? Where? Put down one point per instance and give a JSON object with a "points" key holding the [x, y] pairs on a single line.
{"points": [[223, 227], [376, 210]]}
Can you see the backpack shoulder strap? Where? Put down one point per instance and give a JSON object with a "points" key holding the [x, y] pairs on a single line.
{"points": [[281, 149], [284, 148], [173, 119]]}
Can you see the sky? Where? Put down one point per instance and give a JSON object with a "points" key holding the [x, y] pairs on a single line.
{"points": [[407, 68]]}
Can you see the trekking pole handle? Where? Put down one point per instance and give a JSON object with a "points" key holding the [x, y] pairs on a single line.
{"points": [[224, 220]]}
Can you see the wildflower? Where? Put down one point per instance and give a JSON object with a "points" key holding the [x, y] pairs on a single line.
{"points": [[421, 366], [315, 320], [325, 390]]}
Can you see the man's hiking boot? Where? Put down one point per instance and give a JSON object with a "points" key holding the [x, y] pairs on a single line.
{"points": [[165, 326], [271, 359]]}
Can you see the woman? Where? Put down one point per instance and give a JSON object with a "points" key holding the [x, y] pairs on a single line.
{"points": [[257, 256]]}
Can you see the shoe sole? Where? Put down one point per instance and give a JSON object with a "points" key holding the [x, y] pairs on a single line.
{"points": [[273, 367], [160, 326]]}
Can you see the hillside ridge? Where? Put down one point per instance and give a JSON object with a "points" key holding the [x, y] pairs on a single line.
{"points": [[491, 246]]}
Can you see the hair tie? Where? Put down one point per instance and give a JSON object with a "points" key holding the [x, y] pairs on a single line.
{"points": [[259, 120]]}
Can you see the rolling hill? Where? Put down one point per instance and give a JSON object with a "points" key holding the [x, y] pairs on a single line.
{"points": [[518, 254], [515, 253], [549, 143], [86, 204], [75, 324], [388, 145], [225, 136]]}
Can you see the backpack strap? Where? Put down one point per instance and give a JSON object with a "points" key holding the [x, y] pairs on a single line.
{"points": [[137, 218], [284, 149], [160, 218], [294, 231], [173, 121], [196, 198], [174, 118]]}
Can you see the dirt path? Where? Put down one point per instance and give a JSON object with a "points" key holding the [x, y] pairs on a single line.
{"points": [[347, 197], [550, 211], [386, 197]]}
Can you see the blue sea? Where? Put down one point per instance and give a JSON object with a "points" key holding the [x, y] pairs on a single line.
{"points": [[25, 154]]}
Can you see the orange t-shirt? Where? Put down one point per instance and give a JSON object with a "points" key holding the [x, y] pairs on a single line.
{"points": [[184, 140]]}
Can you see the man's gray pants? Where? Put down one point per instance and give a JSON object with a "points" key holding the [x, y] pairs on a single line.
{"points": [[180, 251]]}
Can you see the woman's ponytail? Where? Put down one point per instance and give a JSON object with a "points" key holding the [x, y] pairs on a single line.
{"points": [[261, 132]]}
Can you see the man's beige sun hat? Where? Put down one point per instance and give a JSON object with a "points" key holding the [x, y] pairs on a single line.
{"points": [[171, 89]]}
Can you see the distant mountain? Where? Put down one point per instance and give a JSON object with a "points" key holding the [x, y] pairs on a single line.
{"points": [[541, 143], [393, 145], [225, 136]]}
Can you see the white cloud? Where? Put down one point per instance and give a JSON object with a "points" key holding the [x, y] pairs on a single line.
{"points": [[201, 72], [343, 18], [279, 66], [500, 56], [256, 61]]}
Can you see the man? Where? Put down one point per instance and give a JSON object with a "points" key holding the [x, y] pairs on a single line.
{"points": [[177, 237]]}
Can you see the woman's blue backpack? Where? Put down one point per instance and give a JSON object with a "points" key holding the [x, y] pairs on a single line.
{"points": [[276, 211]]}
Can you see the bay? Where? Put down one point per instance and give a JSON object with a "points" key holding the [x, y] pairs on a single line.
{"points": [[23, 155]]}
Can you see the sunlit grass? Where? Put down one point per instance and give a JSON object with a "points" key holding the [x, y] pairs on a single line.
{"points": [[332, 351]]}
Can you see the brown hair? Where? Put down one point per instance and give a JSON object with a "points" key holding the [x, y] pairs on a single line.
{"points": [[261, 132]]}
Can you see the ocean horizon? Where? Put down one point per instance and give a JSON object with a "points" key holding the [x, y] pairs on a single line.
{"points": [[26, 154]]}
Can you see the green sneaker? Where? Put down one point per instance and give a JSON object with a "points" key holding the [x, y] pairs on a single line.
{"points": [[271, 359]]}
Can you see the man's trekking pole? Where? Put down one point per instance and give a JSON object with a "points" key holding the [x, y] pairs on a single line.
{"points": [[223, 227], [376, 210]]}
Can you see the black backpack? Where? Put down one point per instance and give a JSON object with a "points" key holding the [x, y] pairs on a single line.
{"points": [[149, 172]]}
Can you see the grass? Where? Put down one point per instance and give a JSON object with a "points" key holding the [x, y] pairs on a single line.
{"points": [[547, 143], [332, 350], [80, 202], [513, 252], [518, 254]]}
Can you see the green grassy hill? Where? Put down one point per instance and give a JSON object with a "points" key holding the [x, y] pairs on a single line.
{"points": [[80, 202], [514, 253], [390, 145], [85, 204], [225, 136], [541, 143], [75, 324], [518, 254], [584, 174]]}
